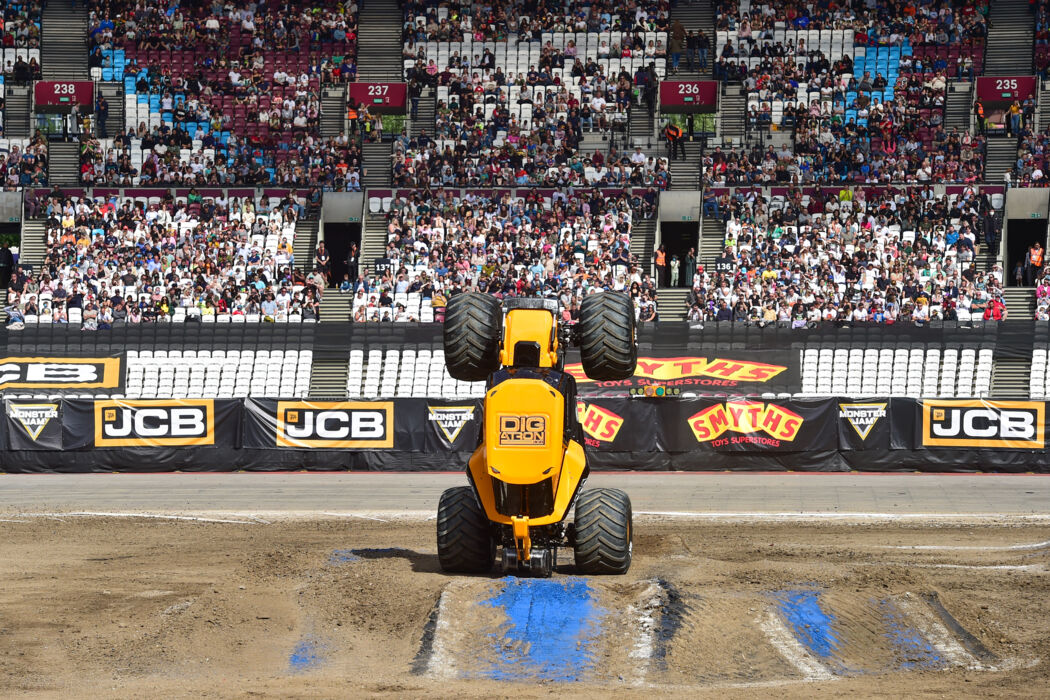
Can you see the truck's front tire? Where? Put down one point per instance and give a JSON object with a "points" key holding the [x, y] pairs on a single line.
{"points": [[604, 532], [464, 537], [607, 336], [473, 324]]}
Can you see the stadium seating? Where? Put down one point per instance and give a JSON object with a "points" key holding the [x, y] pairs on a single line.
{"points": [[405, 372]]}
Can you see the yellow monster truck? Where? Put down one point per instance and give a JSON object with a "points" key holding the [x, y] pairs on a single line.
{"points": [[529, 468]]}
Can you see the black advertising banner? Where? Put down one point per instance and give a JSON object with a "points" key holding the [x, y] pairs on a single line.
{"points": [[33, 425], [702, 433], [452, 425], [54, 373], [747, 425], [150, 423], [863, 424], [618, 425], [733, 372]]}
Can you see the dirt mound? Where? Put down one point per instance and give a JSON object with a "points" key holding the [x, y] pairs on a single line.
{"points": [[319, 607]]}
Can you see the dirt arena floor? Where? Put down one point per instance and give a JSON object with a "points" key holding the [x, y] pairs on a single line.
{"points": [[106, 607]]}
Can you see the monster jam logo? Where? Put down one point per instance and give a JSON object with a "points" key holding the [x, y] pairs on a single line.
{"points": [[778, 423], [450, 419], [335, 424], [599, 423], [151, 423], [984, 424], [522, 431], [33, 417], [692, 371], [862, 416], [60, 372]]}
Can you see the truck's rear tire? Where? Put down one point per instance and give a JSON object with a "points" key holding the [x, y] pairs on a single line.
{"points": [[607, 336], [604, 532], [464, 537], [473, 323]]}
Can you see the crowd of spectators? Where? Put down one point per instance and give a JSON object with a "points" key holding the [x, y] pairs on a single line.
{"points": [[224, 28], [110, 262], [25, 165], [898, 256], [460, 21], [1032, 153], [169, 156], [441, 244], [21, 26], [233, 93]]}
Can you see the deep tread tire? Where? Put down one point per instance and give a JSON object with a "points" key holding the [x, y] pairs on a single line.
{"points": [[607, 336], [473, 324], [464, 538], [604, 532]]}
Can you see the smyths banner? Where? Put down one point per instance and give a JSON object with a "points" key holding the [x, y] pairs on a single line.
{"points": [[737, 372]]}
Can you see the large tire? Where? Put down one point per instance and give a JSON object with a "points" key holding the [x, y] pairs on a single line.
{"points": [[604, 533], [473, 324], [464, 537], [607, 336]]}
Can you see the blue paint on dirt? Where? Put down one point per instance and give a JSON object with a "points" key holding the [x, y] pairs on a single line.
{"points": [[342, 556], [911, 648], [306, 655], [549, 632], [811, 625]]}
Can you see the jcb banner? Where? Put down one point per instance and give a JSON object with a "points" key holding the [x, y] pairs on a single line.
{"points": [[982, 424], [149, 423], [732, 373], [63, 373], [344, 425], [33, 425]]}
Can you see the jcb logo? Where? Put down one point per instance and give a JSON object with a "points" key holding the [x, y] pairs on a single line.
{"points": [[600, 423], [984, 424], [60, 372], [776, 421], [522, 431], [335, 424], [173, 422]]}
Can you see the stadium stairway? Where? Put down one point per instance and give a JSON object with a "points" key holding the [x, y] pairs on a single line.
{"points": [[1042, 108], [34, 243], [333, 110], [732, 115], [114, 94], [958, 106], [373, 241], [685, 173], [378, 170], [1020, 303], [641, 132], [999, 158], [643, 242], [1010, 377], [63, 163], [670, 303], [335, 307], [712, 236], [305, 242], [1009, 48], [379, 42], [328, 378], [426, 115], [16, 112], [696, 15], [63, 53]]}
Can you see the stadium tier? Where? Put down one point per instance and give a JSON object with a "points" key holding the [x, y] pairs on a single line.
{"points": [[719, 162]]}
